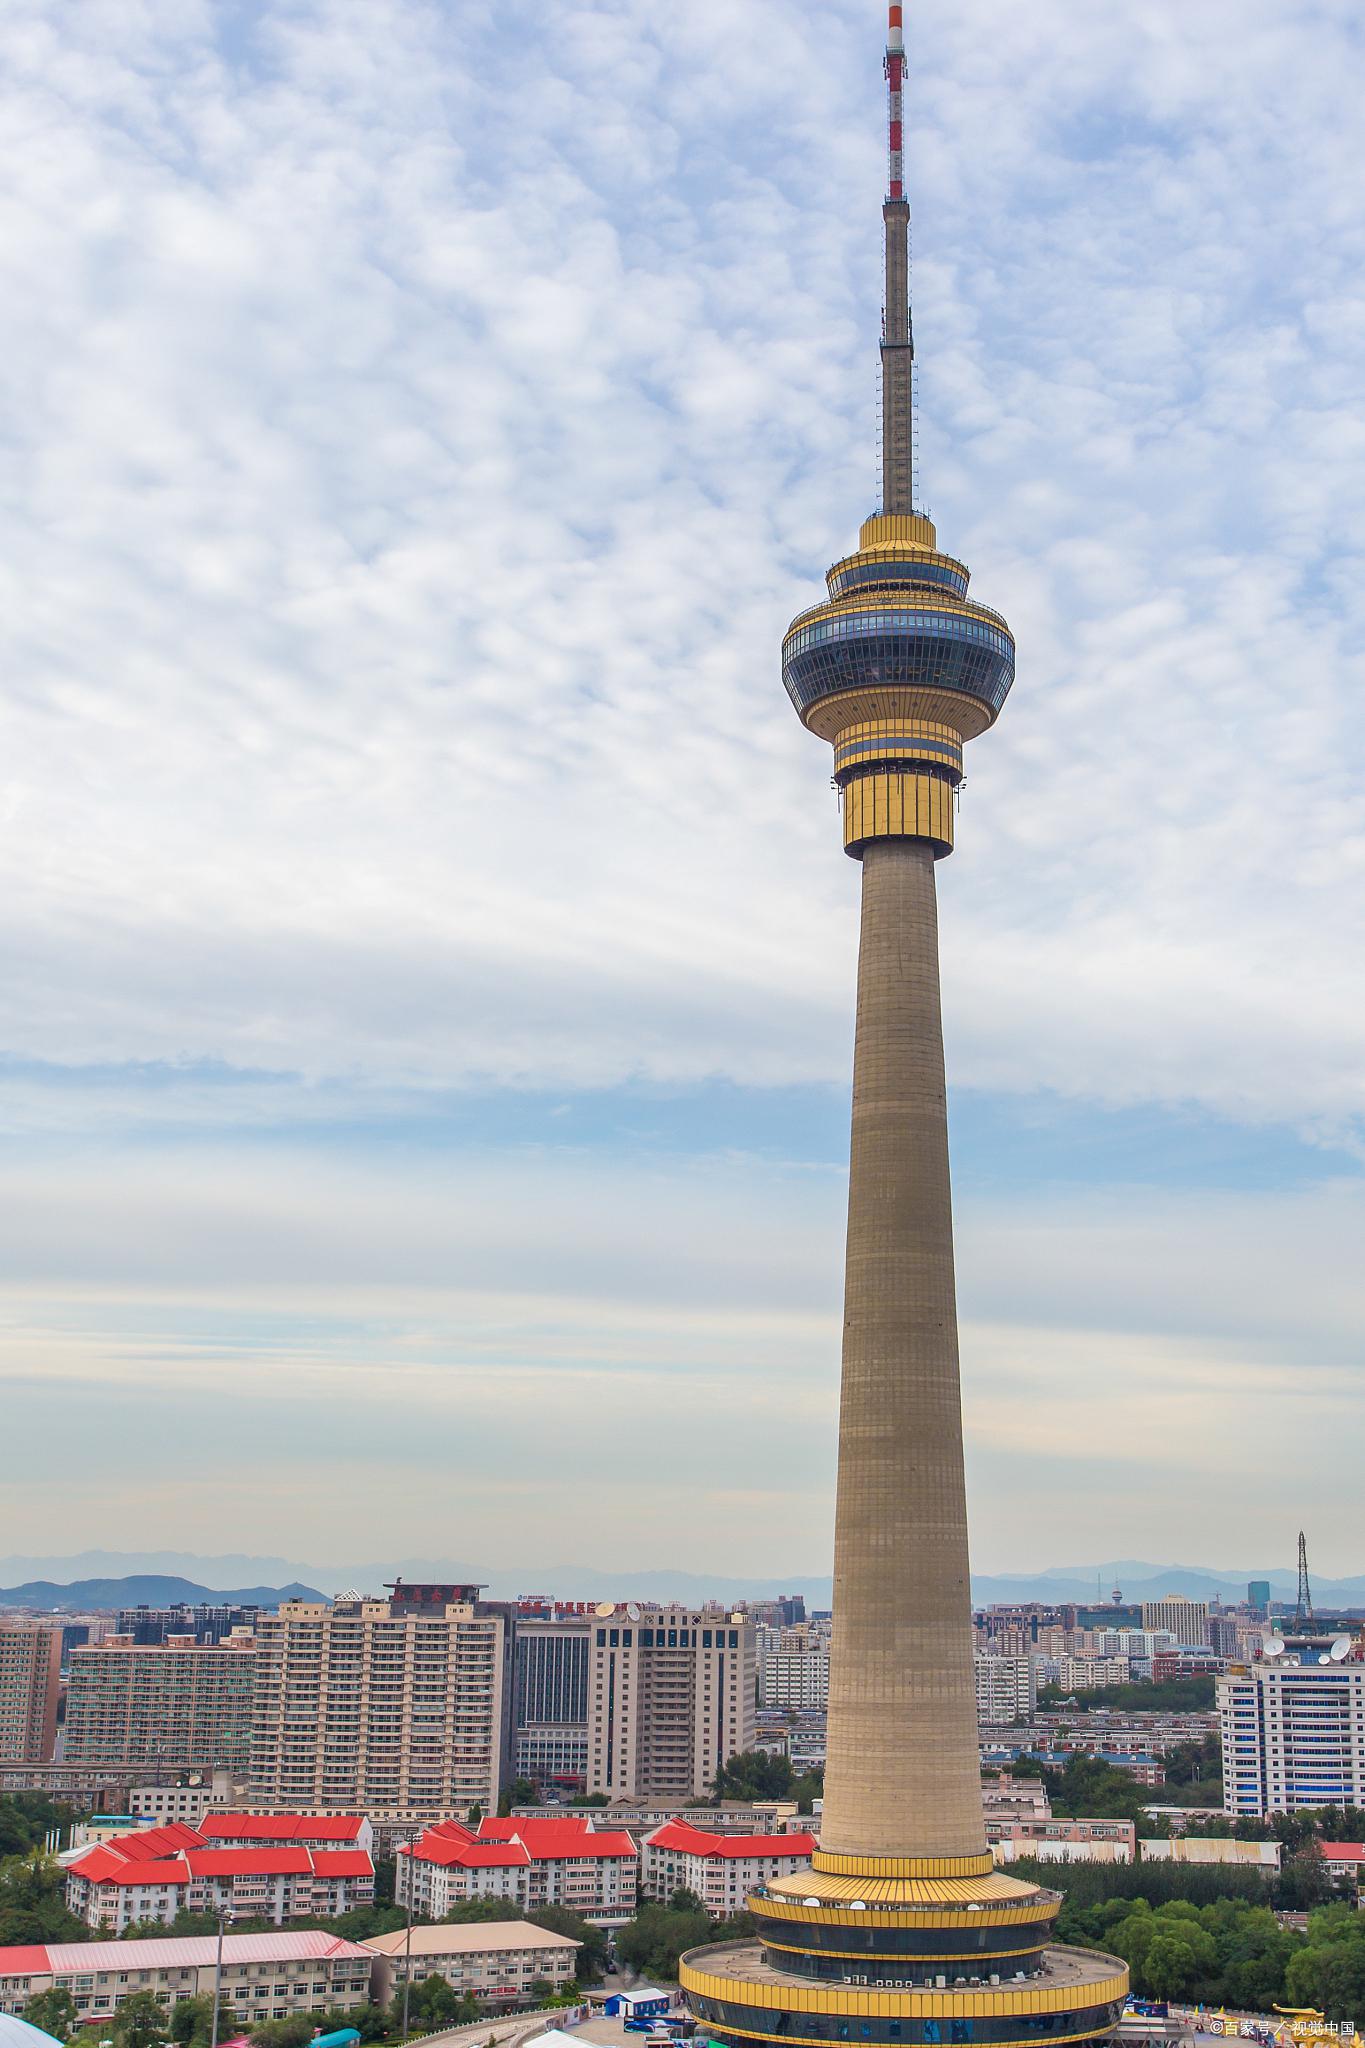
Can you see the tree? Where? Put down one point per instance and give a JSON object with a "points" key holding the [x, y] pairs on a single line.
{"points": [[592, 1941], [601, 1799], [290, 2033], [140, 2021], [1175, 1962], [434, 2002], [192, 2020], [1304, 1881], [754, 1774], [652, 1942], [521, 1792], [54, 2012]]}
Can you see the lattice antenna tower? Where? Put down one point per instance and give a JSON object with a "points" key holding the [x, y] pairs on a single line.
{"points": [[1304, 1609]]}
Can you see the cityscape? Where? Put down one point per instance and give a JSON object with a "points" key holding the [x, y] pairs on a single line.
{"points": [[455, 1110]]}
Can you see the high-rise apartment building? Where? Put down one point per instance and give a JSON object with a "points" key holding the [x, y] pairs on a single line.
{"points": [[378, 1705], [1187, 1620], [1006, 1690], [30, 1678], [1293, 1736], [670, 1699], [793, 1666], [902, 1930], [172, 1705], [206, 1621]]}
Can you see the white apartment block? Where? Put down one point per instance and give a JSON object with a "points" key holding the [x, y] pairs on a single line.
{"points": [[720, 1870], [670, 1700], [1293, 1736], [529, 1862], [371, 1705], [1006, 1689], [1187, 1620]]}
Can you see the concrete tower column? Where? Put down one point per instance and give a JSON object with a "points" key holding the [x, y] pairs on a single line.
{"points": [[901, 1762]]}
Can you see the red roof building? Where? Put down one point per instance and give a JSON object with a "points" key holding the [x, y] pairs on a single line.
{"points": [[720, 1870], [155, 1873], [568, 1862]]}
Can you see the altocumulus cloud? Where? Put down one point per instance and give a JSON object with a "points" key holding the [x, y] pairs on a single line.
{"points": [[420, 422]]}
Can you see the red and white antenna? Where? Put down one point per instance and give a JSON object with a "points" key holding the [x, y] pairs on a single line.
{"points": [[895, 73]]}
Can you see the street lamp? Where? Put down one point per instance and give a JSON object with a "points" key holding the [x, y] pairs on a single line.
{"points": [[218, 1977]]}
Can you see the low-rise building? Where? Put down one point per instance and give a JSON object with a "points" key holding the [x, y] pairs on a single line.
{"points": [[1344, 1862], [155, 1873], [720, 1870], [1062, 1841], [496, 1961], [561, 1862], [1213, 1849], [265, 1976]]}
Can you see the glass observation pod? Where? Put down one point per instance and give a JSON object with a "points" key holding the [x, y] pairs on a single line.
{"points": [[898, 639]]}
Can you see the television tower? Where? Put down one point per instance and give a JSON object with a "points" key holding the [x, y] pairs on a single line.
{"points": [[902, 1931]]}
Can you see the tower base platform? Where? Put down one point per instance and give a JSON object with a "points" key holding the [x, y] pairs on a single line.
{"points": [[738, 1997]]}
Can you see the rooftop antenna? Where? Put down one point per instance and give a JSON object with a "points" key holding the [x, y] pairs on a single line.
{"points": [[1304, 1610], [898, 344]]}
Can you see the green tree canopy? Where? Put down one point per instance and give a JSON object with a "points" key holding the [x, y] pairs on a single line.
{"points": [[54, 2011]]}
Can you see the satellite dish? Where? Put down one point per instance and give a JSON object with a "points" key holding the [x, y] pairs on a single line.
{"points": [[632, 1610], [1273, 1646], [1341, 1647], [604, 1608]]}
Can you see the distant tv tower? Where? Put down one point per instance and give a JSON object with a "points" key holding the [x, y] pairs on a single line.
{"points": [[1304, 1611]]}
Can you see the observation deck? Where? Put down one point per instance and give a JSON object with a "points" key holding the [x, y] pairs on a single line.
{"points": [[899, 667]]}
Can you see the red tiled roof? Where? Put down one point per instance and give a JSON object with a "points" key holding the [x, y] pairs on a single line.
{"points": [[504, 1827], [691, 1841], [551, 1840], [1343, 1852], [166, 1870], [432, 1848], [343, 1863], [281, 1827], [24, 1962], [252, 1861]]}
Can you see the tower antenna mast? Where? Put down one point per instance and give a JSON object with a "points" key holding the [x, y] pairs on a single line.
{"points": [[1304, 1610], [898, 342]]}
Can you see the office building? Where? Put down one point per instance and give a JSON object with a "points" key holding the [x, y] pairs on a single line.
{"points": [[1258, 1597], [550, 1704], [720, 1870], [670, 1700], [30, 1681], [1293, 1736], [371, 1705], [1006, 1689], [264, 1976], [902, 1930], [1186, 1620], [170, 1705], [495, 1961], [561, 1862]]}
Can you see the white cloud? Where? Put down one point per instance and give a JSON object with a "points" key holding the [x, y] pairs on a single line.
{"points": [[423, 421]]}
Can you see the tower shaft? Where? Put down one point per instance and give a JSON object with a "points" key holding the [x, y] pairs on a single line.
{"points": [[901, 1756], [898, 346]]}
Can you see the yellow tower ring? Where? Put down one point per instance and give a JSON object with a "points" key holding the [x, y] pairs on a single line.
{"points": [[898, 806], [878, 740]]}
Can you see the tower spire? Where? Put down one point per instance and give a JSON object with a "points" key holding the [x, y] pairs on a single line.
{"points": [[898, 343]]}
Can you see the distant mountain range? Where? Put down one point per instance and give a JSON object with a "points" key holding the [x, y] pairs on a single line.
{"points": [[125, 1579], [144, 1590]]}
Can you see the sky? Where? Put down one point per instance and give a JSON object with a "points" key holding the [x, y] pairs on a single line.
{"points": [[426, 1006]]}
